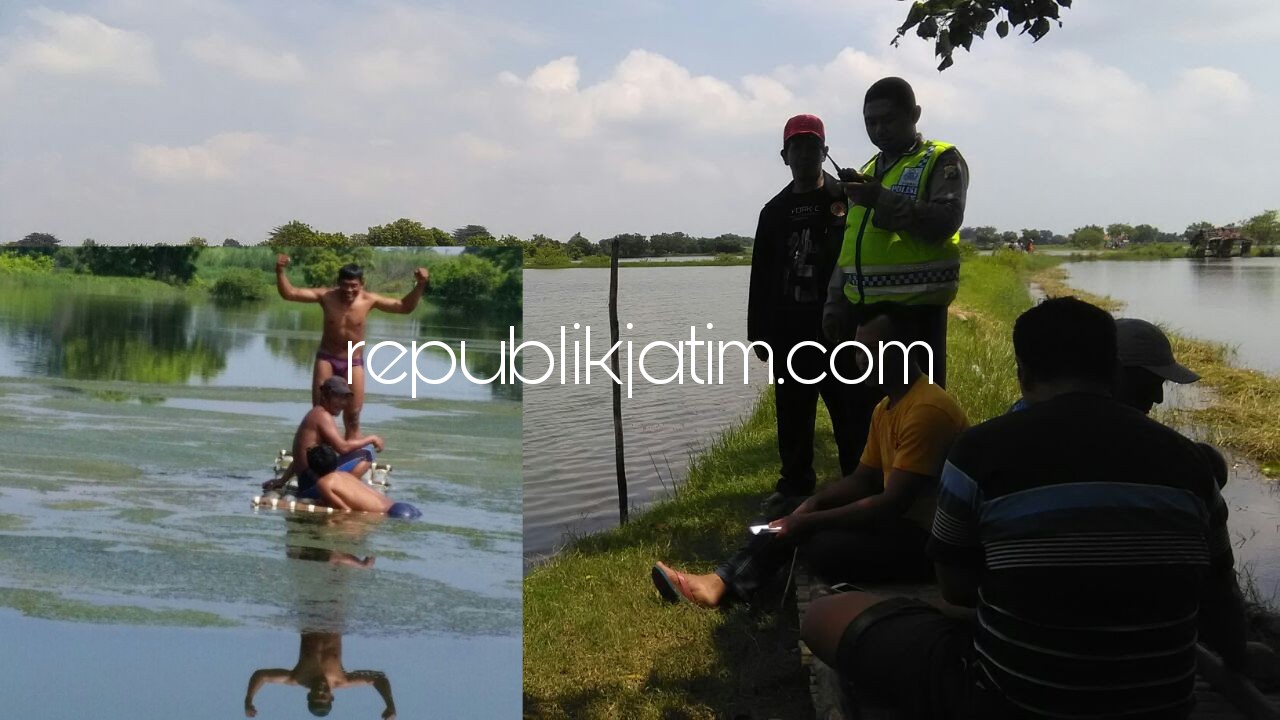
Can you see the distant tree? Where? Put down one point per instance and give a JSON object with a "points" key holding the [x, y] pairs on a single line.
{"points": [[1194, 228], [167, 263], [954, 24], [511, 241], [1089, 236], [440, 237], [1119, 231], [197, 241], [1144, 234], [45, 240], [294, 233], [230, 242], [1264, 228], [985, 236], [1029, 236], [1008, 236], [668, 243], [401, 233], [630, 245], [729, 243], [485, 240], [579, 247], [40, 244], [463, 234]]}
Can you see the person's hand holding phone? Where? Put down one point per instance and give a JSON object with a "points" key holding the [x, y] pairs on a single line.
{"points": [[861, 189]]}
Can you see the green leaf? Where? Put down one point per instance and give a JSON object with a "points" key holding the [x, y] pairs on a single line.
{"points": [[943, 46], [914, 16], [928, 28], [1002, 28], [1040, 28], [1047, 9], [946, 63], [1065, 3]]}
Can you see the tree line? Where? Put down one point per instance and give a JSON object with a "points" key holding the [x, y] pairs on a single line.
{"points": [[1263, 229]]}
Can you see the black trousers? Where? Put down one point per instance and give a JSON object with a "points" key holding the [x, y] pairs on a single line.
{"points": [[921, 323], [797, 410], [891, 551]]}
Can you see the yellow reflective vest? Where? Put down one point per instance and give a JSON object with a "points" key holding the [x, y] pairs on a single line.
{"points": [[882, 265]]}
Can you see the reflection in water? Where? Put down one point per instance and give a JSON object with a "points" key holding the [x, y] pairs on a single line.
{"points": [[320, 574], [105, 338], [71, 333]]}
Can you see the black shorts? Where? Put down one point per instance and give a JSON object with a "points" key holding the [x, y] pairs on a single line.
{"points": [[906, 653]]}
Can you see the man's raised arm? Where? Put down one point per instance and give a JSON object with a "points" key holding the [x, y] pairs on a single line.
{"points": [[287, 290], [406, 304]]}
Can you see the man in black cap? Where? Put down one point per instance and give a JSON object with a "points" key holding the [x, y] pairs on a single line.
{"points": [[797, 240], [1146, 363]]}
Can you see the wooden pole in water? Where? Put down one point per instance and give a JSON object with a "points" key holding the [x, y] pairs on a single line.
{"points": [[618, 457]]}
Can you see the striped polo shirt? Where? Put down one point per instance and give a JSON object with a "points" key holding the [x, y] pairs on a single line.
{"points": [[1092, 526]]}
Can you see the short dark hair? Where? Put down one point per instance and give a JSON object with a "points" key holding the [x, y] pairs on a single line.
{"points": [[350, 271], [893, 89], [322, 459], [1066, 338]]}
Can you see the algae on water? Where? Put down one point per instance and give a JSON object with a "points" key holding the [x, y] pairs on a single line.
{"points": [[51, 606]]}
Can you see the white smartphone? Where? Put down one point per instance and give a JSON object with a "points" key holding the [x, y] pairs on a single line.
{"points": [[757, 529]]}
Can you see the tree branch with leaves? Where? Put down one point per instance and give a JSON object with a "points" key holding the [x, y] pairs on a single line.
{"points": [[954, 24]]}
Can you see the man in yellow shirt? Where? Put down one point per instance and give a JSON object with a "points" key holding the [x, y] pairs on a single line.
{"points": [[872, 525]]}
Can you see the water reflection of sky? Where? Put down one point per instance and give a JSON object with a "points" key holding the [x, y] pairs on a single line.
{"points": [[48, 333], [58, 670]]}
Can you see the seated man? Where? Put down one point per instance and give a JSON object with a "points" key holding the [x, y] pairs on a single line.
{"points": [[318, 426], [344, 491], [873, 524], [1091, 539], [1146, 363]]}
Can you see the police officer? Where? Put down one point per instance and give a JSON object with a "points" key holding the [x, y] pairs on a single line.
{"points": [[901, 240]]}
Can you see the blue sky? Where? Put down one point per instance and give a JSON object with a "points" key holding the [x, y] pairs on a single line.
{"points": [[146, 121]]}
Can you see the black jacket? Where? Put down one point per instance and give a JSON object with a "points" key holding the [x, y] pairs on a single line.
{"points": [[771, 316]]}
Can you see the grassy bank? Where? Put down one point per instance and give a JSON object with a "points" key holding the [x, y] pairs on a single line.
{"points": [[1242, 415], [597, 640]]}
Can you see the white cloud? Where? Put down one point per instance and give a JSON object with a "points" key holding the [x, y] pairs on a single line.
{"points": [[482, 148], [70, 44], [1214, 88], [649, 89], [218, 158], [247, 61]]}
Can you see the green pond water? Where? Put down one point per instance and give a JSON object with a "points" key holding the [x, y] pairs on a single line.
{"points": [[135, 433]]}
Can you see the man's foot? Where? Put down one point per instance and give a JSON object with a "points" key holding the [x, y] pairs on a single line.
{"points": [[780, 504], [701, 590]]}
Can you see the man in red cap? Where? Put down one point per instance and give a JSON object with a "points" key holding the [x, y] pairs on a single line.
{"points": [[797, 240]]}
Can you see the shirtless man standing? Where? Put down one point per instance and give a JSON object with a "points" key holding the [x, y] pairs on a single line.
{"points": [[318, 428], [346, 307]]}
